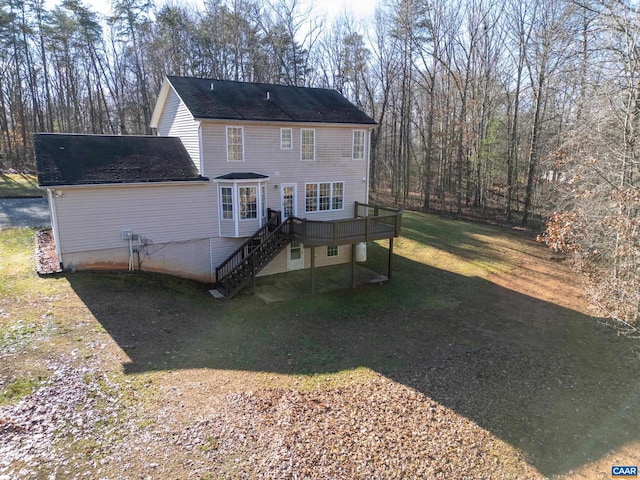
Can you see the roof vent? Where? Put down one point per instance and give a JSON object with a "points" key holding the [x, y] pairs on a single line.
{"points": [[211, 87], [268, 96]]}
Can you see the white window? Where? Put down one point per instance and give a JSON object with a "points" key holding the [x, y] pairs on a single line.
{"points": [[337, 196], [226, 202], [307, 144], [311, 197], [358, 144], [295, 250], [235, 149], [286, 138], [243, 206], [332, 251], [248, 202], [324, 196]]}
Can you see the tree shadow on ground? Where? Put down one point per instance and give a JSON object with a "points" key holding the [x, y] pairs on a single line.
{"points": [[548, 380]]}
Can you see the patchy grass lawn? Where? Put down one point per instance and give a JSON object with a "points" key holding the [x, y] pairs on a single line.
{"points": [[478, 360], [17, 185]]}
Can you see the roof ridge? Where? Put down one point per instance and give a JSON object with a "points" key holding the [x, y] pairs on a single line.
{"points": [[210, 98], [244, 82]]}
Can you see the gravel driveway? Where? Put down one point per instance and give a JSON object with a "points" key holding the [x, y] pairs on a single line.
{"points": [[24, 212]]}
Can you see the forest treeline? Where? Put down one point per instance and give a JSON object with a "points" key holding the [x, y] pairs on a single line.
{"points": [[517, 109]]}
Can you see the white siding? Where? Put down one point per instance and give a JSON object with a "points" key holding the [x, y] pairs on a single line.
{"points": [[223, 247], [206, 143], [177, 121], [92, 218], [228, 228], [279, 264], [263, 155], [247, 228]]}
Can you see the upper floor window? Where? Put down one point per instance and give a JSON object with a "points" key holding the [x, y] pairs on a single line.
{"points": [[286, 138], [235, 147], [307, 144], [358, 144]]}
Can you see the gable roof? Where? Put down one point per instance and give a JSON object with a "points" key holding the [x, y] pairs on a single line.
{"points": [[228, 100], [74, 159]]}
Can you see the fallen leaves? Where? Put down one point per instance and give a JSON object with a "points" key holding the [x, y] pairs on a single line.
{"points": [[45, 255], [380, 429], [69, 416]]}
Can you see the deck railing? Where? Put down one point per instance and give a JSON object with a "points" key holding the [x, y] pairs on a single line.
{"points": [[371, 222], [251, 246]]}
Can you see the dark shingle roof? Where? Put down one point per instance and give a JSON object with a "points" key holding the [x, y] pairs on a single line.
{"points": [[227, 100], [72, 159]]}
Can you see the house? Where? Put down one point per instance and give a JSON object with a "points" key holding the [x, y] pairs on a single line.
{"points": [[239, 175]]}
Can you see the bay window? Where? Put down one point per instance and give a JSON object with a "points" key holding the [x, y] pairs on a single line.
{"points": [[226, 202], [243, 203], [248, 202]]}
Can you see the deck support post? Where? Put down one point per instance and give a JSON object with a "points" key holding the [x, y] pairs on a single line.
{"points": [[389, 265], [313, 270], [353, 265]]}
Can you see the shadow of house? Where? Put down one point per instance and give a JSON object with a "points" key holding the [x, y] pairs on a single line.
{"points": [[546, 379]]}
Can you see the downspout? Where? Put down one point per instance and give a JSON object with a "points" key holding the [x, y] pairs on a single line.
{"points": [[54, 224], [200, 150]]}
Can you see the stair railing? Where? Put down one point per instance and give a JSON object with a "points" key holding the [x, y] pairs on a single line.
{"points": [[246, 254]]}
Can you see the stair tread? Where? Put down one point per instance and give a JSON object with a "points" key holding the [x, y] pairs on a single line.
{"points": [[262, 251]]}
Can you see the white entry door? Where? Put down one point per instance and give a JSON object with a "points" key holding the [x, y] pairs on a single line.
{"points": [[295, 256], [295, 250], [288, 200]]}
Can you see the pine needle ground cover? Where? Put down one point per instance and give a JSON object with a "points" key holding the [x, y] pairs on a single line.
{"points": [[478, 360]]}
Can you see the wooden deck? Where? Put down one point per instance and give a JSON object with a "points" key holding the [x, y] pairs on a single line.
{"points": [[371, 222]]}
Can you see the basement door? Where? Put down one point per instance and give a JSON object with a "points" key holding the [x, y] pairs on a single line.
{"points": [[295, 256]]}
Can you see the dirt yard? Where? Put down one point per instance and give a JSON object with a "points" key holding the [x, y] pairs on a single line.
{"points": [[479, 360]]}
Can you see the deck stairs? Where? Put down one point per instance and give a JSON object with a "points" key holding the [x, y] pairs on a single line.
{"points": [[242, 266], [369, 223]]}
